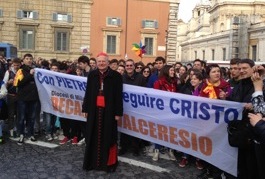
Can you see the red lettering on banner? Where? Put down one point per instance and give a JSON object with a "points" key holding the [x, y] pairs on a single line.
{"points": [[173, 135], [134, 125], [194, 143], [184, 141], [162, 132], [77, 109], [142, 124], [127, 122], [169, 134], [205, 145], [152, 129], [67, 106], [55, 103], [61, 104]]}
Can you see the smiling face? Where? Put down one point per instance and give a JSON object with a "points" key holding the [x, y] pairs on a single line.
{"points": [[245, 70], [129, 67], [121, 70], [102, 63], [146, 72], [182, 70], [195, 82], [171, 72], [93, 64]]}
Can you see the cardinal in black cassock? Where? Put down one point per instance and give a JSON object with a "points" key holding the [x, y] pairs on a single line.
{"points": [[103, 107]]}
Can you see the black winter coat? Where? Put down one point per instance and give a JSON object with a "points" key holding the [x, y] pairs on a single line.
{"points": [[101, 136], [27, 89]]}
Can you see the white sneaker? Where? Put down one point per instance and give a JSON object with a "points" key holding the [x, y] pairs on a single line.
{"points": [[171, 155], [11, 132], [156, 155], [49, 137], [81, 142], [20, 140]]}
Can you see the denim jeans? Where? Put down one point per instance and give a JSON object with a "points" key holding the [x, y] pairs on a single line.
{"points": [[26, 111], [49, 119]]}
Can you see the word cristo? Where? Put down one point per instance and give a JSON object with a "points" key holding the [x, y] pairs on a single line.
{"points": [[185, 108]]}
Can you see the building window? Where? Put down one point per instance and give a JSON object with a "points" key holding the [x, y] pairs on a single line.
{"points": [[151, 24], [254, 52], [111, 44], [150, 42], [149, 45], [235, 52], [203, 55], [224, 54], [21, 14], [1, 12], [213, 51], [62, 40], [195, 54], [27, 38], [62, 17], [111, 21]]}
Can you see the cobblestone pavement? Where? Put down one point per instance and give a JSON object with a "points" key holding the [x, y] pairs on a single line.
{"points": [[65, 161]]}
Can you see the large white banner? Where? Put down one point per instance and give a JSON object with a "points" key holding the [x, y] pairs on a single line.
{"points": [[61, 94], [194, 125]]}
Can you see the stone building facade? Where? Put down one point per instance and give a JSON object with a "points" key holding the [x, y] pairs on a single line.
{"points": [[66, 29], [117, 24], [50, 29], [223, 29]]}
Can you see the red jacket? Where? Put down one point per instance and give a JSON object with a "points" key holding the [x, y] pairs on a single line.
{"points": [[163, 84]]}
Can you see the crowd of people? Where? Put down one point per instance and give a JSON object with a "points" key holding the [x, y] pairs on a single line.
{"points": [[242, 82]]}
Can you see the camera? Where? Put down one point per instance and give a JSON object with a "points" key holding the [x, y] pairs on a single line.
{"points": [[261, 72]]}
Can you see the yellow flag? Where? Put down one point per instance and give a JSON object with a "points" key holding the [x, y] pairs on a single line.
{"points": [[19, 76]]}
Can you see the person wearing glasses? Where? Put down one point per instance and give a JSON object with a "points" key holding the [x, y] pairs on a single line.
{"points": [[139, 66], [131, 77], [146, 72]]}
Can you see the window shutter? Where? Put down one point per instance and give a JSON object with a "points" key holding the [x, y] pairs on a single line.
{"points": [[69, 18], [109, 20], [143, 23], [54, 16], [19, 14], [118, 21], [156, 24], [35, 15], [1, 13], [20, 38]]}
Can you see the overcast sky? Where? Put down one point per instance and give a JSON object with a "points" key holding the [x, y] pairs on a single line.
{"points": [[185, 9]]}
